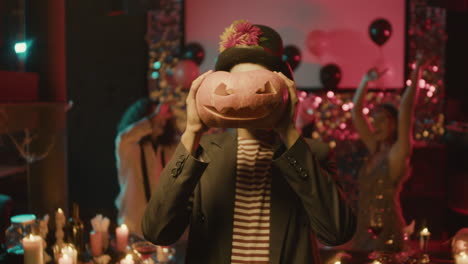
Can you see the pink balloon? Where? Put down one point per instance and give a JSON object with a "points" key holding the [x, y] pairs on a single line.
{"points": [[185, 72], [317, 42]]}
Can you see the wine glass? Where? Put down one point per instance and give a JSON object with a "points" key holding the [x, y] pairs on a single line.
{"points": [[146, 251]]}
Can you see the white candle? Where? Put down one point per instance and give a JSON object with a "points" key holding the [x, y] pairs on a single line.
{"points": [[121, 233], [95, 239], [461, 258], [59, 224], [424, 238], [32, 246], [71, 252], [65, 259], [127, 260], [59, 218]]}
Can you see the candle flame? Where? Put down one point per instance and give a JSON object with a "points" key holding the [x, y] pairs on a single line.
{"points": [[128, 257], [376, 262], [337, 262], [425, 232], [60, 210], [124, 226], [31, 237]]}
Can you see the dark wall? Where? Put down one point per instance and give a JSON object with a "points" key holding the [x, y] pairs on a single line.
{"points": [[106, 61], [9, 26], [456, 65]]}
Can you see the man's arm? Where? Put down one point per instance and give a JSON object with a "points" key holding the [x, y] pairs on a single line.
{"points": [[168, 211], [311, 176]]}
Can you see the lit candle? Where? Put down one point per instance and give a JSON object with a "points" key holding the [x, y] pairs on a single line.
{"points": [[59, 217], [59, 224], [121, 234], [425, 232], [65, 259], [423, 239], [461, 258], [95, 239], [32, 246], [71, 252], [127, 260]]}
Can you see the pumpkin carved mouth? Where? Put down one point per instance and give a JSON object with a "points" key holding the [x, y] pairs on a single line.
{"points": [[245, 113]]}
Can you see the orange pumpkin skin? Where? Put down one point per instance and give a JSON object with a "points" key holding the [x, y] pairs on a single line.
{"points": [[251, 99]]}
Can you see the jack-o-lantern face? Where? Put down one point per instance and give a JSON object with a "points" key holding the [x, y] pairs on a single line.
{"points": [[251, 99]]}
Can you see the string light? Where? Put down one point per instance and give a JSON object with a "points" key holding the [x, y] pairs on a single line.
{"points": [[422, 83], [157, 65], [21, 47]]}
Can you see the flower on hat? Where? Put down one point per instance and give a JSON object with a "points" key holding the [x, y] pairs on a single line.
{"points": [[240, 34]]}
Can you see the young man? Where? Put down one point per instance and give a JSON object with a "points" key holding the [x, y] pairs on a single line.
{"points": [[252, 196]]}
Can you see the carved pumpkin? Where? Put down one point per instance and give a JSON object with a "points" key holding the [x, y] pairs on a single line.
{"points": [[251, 99]]}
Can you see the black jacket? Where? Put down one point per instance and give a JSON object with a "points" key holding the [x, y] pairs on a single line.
{"points": [[304, 199]]}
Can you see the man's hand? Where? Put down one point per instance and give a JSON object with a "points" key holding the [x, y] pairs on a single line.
{"points": [[194, 123], [195, 126]]}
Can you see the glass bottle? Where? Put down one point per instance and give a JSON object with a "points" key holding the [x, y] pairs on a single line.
{"points": [[21, 226], [75, 230]]}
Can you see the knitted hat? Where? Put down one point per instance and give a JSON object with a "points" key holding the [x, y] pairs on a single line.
{"points": [[243, 42]]}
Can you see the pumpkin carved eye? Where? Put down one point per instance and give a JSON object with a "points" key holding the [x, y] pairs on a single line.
{"points": [[266, 89], [222, 90]]}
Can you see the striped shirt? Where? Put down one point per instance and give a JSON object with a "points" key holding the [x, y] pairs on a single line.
{"points": [[251, 234]]}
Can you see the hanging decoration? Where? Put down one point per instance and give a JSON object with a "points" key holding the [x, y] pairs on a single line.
{"points": [[195, 52], [427, 32], [292, 55], [380, 31], [317, 42], [184, 73], [330, 76], [164, 37]]}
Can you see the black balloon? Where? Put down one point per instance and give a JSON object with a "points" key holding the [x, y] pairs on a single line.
{"points": [[380, 30], [194, 51], [292, 55], [330, 76]]}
